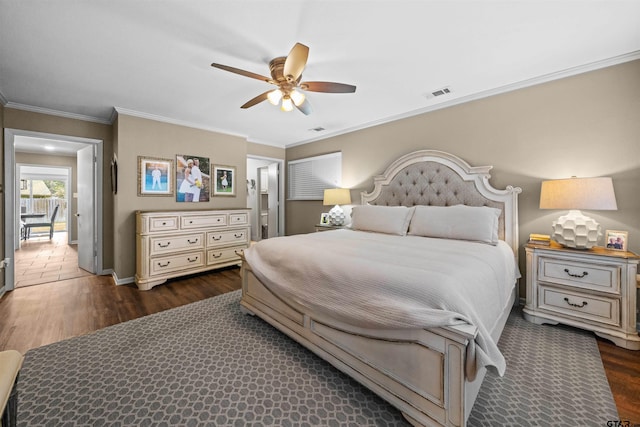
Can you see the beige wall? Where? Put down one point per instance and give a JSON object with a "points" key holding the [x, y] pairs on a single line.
{"points": [[586, 125], [269, 151], [65, 161], [142, 137], [37, 122]]}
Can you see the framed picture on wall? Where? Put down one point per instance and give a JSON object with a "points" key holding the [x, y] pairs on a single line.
{"points": [[192, 178], [154, 176], [225, 177], [616, 240]]}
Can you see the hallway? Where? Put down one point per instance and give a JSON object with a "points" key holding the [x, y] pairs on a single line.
{"points": [[41, 260]]}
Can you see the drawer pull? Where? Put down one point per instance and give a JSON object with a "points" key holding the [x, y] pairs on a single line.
{"points": [[575, 305], [192, 260], [579, 276], [165, 265], [238, 236], [190, 242], [217, 256], [217, 238], [164, 223], [164, 246], [190, 222]]}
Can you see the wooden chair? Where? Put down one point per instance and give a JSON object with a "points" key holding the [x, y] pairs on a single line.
{"points": [[29, 225]]}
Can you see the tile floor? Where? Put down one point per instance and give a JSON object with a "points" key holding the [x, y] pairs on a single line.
{"points": [[41, 260]]}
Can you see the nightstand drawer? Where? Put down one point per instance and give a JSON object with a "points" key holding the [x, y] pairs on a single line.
{"points": [[577, 305], [598, 277]]}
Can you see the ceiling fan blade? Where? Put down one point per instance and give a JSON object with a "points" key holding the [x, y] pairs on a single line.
{"points": [[244, 73], [305, 107], [258, 99], [296, 61], [329, 87]]}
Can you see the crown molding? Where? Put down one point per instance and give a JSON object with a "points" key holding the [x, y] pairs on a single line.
{"points": [[58, 113], [149, 116], [569, 72]]}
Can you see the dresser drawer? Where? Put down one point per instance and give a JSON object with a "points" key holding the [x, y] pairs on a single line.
{"points": [[238, 218], [226, 237], [197, 221], [163, 223], [599, 277], [166, 244], [574, 304], [169, 263], [216, 256]]}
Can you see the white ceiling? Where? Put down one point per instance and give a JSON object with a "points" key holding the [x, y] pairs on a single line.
{"points": [[83, 58]]}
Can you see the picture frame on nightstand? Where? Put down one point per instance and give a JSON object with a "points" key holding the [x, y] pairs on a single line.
{"points": [[324, 218], [616, 240]]}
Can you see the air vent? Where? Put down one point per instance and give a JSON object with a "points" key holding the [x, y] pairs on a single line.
{"points": [[439, 92], [318, 129]]}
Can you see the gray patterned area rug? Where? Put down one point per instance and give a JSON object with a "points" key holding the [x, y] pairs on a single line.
{"points": [[207, 364]]}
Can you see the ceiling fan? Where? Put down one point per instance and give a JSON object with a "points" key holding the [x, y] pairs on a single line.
{"points": [[286, 73]]}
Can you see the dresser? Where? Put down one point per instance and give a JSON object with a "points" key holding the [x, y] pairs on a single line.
{"points": [[175, 243], [592, 289]]}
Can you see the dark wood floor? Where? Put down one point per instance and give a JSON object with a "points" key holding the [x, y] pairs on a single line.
{"points": [[38, 315]]}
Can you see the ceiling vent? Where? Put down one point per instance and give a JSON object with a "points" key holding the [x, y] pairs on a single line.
{"points": [[440, 92]]}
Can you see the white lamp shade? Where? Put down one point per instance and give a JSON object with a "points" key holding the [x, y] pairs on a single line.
{"points": [[336, 196], [578, 193]]}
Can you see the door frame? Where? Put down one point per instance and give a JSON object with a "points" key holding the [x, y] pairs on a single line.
{"points": [[11, 188], [281, 187]]}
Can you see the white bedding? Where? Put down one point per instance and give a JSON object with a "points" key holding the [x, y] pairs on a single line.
{"points": [[374, 280]]}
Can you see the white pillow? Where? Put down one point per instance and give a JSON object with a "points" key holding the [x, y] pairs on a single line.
{"points": [[381, 219], [460, 222]]}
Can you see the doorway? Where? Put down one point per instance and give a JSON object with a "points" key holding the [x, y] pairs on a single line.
{"points": [[90, 240], [265, 190]]}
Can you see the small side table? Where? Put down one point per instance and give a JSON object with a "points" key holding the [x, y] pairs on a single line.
{"points": [[592, 289], [327, 227]]}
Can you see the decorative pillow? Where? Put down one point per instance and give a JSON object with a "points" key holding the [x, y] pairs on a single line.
{"points": [[381, 219], [460, 222]]}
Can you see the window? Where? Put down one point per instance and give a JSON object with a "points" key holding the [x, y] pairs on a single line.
{"points": [[309, 177]]}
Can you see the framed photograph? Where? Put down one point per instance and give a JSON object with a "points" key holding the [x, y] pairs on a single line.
{"points": [[616, 240], [153, 176], [324, 218], [193, 180], [225, 180]]}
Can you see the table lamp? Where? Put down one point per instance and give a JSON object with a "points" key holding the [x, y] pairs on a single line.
{"points": [[576, 230], [336, 197]]}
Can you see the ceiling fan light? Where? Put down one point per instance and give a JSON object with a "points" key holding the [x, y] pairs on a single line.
{"points": [[274, 96], [287, 105], [297, 97]]}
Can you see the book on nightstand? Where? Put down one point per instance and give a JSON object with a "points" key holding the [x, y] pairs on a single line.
{"points": [[539, 239]]}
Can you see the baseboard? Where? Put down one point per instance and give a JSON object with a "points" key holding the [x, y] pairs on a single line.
{"points": [[123, 281]]}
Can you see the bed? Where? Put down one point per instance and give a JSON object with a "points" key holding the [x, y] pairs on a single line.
{"points": [[427, 360]]}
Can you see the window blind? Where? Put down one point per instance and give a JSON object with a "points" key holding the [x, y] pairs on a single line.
{"points": [[309, 177]]}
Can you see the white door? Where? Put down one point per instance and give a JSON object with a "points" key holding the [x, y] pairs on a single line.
{"points": [[85, 215]]}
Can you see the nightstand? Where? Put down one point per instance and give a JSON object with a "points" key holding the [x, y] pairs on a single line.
{"points": [[323, 227], [591, 289]]}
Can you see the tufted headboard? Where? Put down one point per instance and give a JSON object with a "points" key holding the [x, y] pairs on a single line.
{"points": [[436, 178]]}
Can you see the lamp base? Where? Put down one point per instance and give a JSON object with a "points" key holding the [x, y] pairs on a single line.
{"points": [[575, 230], [336, 215]]}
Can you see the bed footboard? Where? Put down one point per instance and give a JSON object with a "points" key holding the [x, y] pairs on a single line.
{"points": [[420, 372]]}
